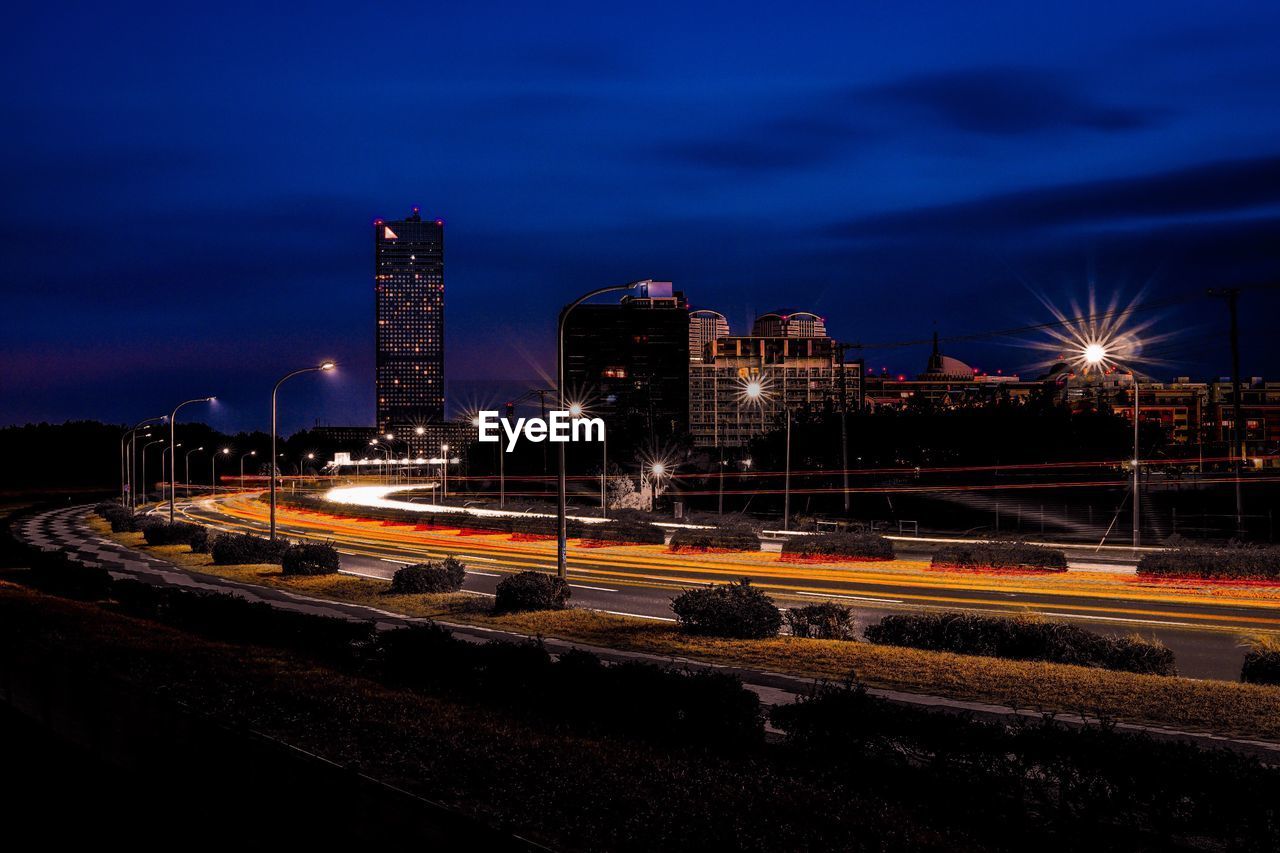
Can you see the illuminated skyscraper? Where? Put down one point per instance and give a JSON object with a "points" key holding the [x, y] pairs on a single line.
{"points": [[409, 287]]}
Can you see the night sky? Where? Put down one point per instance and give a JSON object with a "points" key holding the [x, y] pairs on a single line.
{"points": [[189, 189]]}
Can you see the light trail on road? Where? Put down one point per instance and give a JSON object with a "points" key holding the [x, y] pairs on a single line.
{"points": [[1203, 624]]}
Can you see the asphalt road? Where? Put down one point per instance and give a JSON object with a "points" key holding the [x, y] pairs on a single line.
{"points": [[1204, 628]]}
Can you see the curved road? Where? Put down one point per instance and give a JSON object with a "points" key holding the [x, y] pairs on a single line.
{"points": [[1203, 623]]}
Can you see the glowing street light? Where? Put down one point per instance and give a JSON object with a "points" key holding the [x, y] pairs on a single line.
{"points": [[562, 539], [213, 469], [173, 467], [187, 461], [324, 366], [1100, 342], [444, 472], [242, 457], [173, 420], [578, 410], [128, 459], [144, 464]]}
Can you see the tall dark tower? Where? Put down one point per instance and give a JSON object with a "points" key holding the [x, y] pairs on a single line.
{"points": [[408, 278]]}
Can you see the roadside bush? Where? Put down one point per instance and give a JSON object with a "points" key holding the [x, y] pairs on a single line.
{"points": [[445, 575], [530, 591], [56, 573], [624, 531], [823, 621], [714, 539], [1262, 662], [157, 531], [849, 545], [1100, 787], [121, 518], [736, 610], [1234, 562], [310, 558], [1000, 555], [199, 540], [238, 549], [1021, 638]]}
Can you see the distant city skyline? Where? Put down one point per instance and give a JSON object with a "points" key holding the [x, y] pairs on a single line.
{"points": [[188, 205]]}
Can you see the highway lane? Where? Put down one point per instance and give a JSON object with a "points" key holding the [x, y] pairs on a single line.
{"points": [[1204, 630]]}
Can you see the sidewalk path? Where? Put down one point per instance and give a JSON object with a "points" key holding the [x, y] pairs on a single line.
{"points": [[68, 530]]}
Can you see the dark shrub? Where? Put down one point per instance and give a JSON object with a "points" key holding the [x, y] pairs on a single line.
{"points": [[824, 621], [736, 610], [1000, 555], [310, 558], [1093, 782], [1021, 639], [1261, 665], [624, 531], [238, 549], [122, 519], [56, 573], [714, 539], [446, 575], [199, 540], [1239, 562], [851, 545], [698, 706], [530, 591], [157, 531]]}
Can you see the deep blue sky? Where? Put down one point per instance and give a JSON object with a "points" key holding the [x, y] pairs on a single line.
{"points": [[188, 189]]}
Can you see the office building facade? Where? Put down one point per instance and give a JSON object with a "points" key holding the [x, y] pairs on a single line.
{"points": [[409, 294], [796, 367], [629, 361]]}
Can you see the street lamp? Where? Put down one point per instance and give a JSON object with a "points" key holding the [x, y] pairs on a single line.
{"points": [[386, 451], [444, 472], [173, 469], [250, 453], [324, 366], [1096, 354], [187, 465], [173, 420], [213, 469], [562, 543], [129, 437], [577, 410], [144, 464], [754, 391]]}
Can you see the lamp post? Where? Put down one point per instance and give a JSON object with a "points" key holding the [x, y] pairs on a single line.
{"points": [[173, 420], [562, 567], [657, 470], [577, 410], [126, 458], [187, 461], [144, 464], [213, 469], [386, 451], [133, 467], [1097, 354], [325, 366], [173, 466], [754, 391], [250, 453], [444, 472]]}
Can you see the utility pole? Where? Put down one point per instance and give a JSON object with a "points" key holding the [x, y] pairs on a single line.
{"points": [[1232, 295]]}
